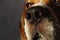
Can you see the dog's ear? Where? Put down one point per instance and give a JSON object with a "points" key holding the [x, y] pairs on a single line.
{"points": [[22, 32]]}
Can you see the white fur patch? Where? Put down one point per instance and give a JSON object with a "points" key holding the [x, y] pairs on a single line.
{"points": [[40, 3], [26, 27]]}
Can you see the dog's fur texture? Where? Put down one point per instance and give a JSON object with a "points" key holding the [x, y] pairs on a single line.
{"points": [[46, 28]]}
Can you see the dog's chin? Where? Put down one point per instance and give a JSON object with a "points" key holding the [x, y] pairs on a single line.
{"points": [[42, 31]]}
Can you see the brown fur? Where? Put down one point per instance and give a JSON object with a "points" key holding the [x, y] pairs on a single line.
{"points": [[22, 32]]}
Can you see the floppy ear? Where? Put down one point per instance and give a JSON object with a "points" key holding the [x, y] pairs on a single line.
{"points": [[22, 32]]}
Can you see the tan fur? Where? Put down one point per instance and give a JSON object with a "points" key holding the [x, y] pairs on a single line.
{"points": [[22, 32], [36, 1]]}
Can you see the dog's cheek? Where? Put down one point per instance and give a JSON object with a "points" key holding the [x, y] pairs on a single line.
{"points": [[46, 28], [29, 30]]}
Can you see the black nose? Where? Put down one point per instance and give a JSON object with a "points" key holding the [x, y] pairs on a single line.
{"points": [[33, 14]]}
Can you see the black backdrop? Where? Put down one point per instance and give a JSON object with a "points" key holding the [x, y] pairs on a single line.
{"points": [[10, 12]]}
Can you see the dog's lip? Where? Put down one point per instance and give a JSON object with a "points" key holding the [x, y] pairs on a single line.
{"points": [[36, 36]]}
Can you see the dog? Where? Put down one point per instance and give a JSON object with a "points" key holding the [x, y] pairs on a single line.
{"points": [[38, 21]]}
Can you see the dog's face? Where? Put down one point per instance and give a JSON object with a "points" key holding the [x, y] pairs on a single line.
{"points": [[38, 21]]}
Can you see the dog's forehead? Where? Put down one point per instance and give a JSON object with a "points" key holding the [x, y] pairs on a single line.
{"points": [[36, 1], [32, 1]]}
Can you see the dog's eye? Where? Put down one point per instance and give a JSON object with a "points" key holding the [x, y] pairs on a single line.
{"points": [[29, 5], [28, 16]]}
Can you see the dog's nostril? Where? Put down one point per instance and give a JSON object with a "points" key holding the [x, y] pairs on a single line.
{"points": [[28, 16]]}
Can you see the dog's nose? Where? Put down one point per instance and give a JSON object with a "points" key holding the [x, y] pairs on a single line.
{"points": [[33, 15]]}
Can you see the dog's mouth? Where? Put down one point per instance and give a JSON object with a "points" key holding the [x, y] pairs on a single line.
{"points": [[36, 36]]}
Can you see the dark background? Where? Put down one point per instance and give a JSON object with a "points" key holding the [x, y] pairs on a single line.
{"points": [[10, 13]]}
